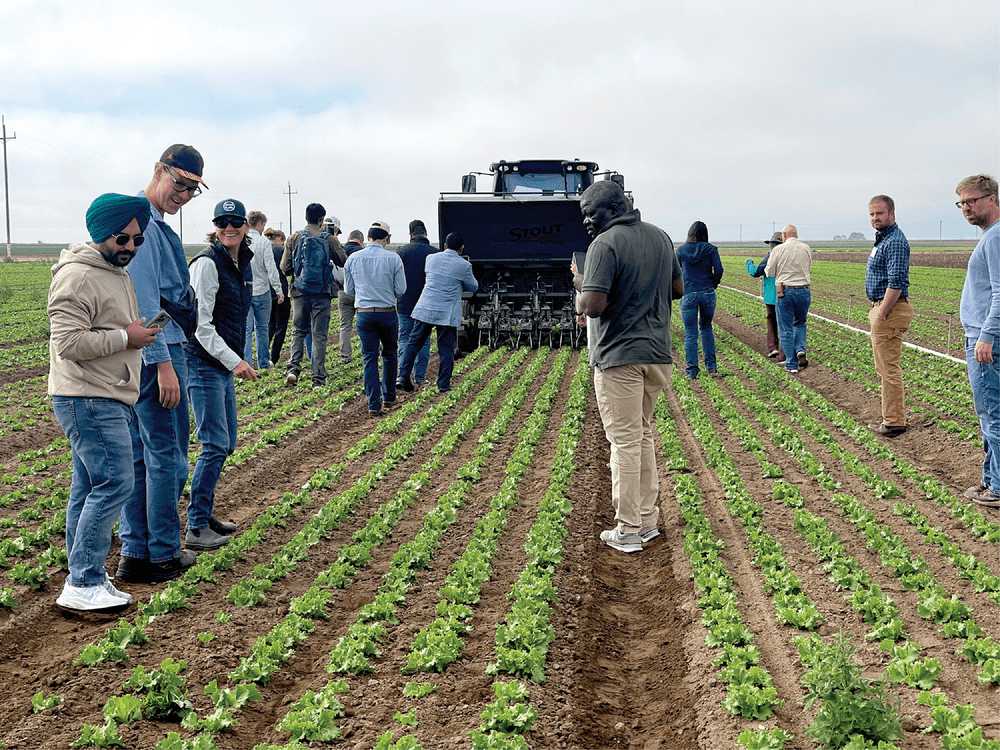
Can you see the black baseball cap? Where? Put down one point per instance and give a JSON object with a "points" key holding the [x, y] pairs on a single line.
{"points": [[186, 161]]}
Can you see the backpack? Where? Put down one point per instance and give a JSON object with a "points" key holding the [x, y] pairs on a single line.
{"points": [[311, 267]]}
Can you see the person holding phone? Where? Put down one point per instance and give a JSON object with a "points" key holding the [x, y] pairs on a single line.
{"points": [[223, 282], [97, 335]]}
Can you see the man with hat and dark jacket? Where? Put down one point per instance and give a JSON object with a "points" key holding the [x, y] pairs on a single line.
{"points": [[150, 525], [414, 256], [223, 281]]}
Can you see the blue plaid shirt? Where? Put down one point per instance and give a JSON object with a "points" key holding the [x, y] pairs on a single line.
{"points": [[888, 264]]}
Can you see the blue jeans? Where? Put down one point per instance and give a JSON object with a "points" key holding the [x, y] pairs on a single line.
{"points": [[150, 527], [793, 310], [406, 330], [697, 311], [377, 330], [985, 382], [447, 336], [310, 314], [213, 400], [104, 436], [259, 317]]}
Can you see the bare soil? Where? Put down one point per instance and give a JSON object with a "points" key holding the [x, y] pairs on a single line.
{"points": [[628, 669]]}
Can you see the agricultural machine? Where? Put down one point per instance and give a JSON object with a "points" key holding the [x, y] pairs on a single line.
{"points": [[520, 237]]}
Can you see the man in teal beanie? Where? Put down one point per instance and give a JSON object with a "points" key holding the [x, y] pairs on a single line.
{"points": [[94, 363]]}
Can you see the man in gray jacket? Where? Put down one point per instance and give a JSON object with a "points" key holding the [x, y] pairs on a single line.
{"points": [[94, 368]]}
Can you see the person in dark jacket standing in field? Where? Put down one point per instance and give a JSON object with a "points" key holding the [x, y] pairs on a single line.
{"points": [[414, 257], [222, 279], [629, 279], [702, 269], [280, 311], [345, 301]]}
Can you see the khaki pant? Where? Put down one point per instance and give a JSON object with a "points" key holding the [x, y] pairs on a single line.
{"points": [[887, 346], [626, 397]]}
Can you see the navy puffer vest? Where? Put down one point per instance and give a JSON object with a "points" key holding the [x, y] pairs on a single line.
{"points": [[232, 301]]}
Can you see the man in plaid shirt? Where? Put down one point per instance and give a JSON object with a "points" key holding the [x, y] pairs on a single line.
{"points": [[887, 284]]}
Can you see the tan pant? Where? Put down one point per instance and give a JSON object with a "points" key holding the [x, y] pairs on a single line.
{"points": [[626, 397], [887, 346]]}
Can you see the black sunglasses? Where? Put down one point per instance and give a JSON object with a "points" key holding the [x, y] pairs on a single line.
{"points": [[179, 186], [229, 221], [121, 239]]}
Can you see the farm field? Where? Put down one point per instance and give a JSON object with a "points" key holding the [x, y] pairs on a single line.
{"points": [[437, 574]]}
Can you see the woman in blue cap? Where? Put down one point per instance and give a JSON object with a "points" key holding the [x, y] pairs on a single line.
{"points": [[223, 282]]}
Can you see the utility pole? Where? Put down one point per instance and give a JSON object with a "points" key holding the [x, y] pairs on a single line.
{"points": [[290, 194], [6, 186]]}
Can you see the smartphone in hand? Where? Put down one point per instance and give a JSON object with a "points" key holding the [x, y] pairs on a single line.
{"points": [[159, 320]]}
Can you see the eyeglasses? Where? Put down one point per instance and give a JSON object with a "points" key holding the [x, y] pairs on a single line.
{"points": [[229, 221], [179, 186], [970, 202], [122, 239]]}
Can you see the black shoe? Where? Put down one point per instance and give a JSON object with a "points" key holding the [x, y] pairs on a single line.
{"points": [[405, 384], [221, 527], [386, 401], [171, 569], [375, 412], [803, 362], [133, 570], [886, 430]]}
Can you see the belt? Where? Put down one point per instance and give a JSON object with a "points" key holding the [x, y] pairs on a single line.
{"points": [[879, 300], [804, 286], [376, 309]]}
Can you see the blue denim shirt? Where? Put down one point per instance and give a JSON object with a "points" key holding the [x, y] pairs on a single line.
{"points": [[888, 264], [980, 305], [375, 277], [159, 269]]}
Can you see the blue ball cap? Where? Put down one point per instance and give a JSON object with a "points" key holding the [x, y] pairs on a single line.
{"points": [[230, 207]]}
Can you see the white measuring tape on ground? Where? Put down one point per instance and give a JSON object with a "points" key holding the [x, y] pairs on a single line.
{"points": [[923, 349]]}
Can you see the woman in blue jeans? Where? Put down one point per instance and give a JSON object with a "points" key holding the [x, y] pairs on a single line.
{"points": [[702, 271]]}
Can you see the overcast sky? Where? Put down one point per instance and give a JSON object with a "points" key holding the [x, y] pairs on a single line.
{"points": [[744, 115]]}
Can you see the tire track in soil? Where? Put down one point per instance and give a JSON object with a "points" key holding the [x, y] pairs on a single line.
{"points": [[778, 656], [464, 689], [630, 690]]}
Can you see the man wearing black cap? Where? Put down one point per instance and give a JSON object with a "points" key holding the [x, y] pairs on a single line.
{"points": [[414, 257], [94, 361], [223, 280], [150, 526]]}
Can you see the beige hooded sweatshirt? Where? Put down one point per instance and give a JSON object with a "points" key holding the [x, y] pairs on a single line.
{"points": [[91, 302]]}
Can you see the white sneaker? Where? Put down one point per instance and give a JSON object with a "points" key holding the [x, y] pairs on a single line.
{"points": [[110, 588], [89, 599], [648, 534], [622, 542]]}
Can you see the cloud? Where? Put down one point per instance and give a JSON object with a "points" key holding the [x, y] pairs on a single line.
{"points": [[738, 114]]}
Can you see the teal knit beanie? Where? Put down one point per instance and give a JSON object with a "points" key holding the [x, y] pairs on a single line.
{"points": [[111, 213]]}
